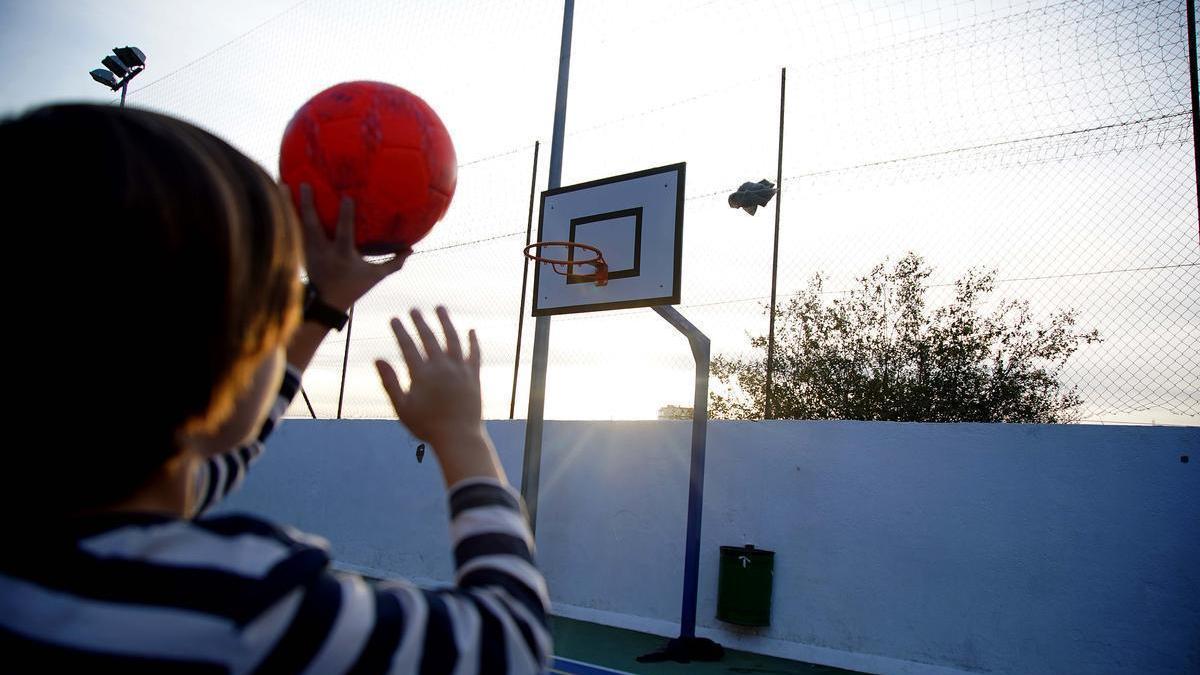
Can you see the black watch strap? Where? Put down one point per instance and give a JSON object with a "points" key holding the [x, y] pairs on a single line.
{"points": [[319, 311]]}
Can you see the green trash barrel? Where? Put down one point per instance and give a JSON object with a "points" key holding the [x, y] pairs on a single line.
{"points": [[744, 581]]}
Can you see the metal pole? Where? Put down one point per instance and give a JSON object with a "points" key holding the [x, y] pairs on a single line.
{"points": [[308, 403], [767, 408], [124, 86], [691, 557], [512, 403], [532, 467], [1191, 29], [345, 360]]}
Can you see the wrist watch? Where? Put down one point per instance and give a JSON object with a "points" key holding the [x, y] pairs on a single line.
{"points": [[319, 311]]}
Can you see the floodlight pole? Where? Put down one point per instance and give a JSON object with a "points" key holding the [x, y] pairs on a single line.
{"points": [[532, 466], [691, 557], [125, 83]]}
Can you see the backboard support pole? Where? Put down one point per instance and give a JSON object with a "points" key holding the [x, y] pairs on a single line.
{"points": [[532, 466], [687, 646]]}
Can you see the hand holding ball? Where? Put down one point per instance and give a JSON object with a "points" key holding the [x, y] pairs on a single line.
{"points": [[382, 146]]}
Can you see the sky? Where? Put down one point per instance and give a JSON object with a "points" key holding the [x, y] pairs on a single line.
{"points": [[1046, 140], [56, 43]]}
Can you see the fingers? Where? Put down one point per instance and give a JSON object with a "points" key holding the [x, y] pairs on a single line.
{"points": [[391, 384], [433, 350], [408, 348], [344, 234], [429, 341], [308, 215], [453, 346], [474, 356], [344, 239]]}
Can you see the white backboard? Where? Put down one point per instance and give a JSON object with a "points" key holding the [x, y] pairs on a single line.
{"points": [[636, 220]]}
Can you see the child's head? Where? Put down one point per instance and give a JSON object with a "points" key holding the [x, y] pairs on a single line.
{"points": [[159, 272]]}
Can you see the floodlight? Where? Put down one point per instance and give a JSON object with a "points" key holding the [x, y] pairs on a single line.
{"points": [[105, 78], [131, 57], [114, 64]]}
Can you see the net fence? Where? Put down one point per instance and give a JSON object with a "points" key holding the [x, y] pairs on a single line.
{"points": [[1050, 142]]}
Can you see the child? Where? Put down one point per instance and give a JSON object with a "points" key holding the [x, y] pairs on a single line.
{"points": [[165, 273]]}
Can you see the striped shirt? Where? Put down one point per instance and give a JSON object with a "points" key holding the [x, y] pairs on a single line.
{"points": [[143, 593], [220, 475]]}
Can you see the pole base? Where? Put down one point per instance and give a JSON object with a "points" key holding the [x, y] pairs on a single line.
{"points": [[686, 650]]}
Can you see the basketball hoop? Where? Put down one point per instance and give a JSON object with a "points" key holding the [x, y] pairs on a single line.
{"points": [[601, 267]]}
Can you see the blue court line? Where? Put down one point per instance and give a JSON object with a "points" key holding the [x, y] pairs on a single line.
{"points": [[561, 666]]}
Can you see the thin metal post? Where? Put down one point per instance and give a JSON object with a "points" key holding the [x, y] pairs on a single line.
{"points": [[691, 557], [1191, 30], [512, 403], [345, 360], [531, 469], [308, 403], [124, 86], [768, 412]]}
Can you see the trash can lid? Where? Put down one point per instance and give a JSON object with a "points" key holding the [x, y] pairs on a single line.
{"points": [[748, 549]]}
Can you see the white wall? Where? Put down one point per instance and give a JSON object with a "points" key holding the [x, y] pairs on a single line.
{"points": [[899, 547]]}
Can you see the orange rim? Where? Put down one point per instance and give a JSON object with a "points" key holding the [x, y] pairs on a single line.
{"points": [[597, 262]]}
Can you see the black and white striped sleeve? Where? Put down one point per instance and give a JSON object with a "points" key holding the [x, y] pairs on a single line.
{"points": [[237, 594], [494, 620], [222, 474]]}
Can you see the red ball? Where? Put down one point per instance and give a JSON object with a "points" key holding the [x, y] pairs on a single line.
{"points": [[381, 145]]}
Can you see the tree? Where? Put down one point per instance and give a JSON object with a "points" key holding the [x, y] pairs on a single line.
{"points": [[675, 412], [879, 353]]}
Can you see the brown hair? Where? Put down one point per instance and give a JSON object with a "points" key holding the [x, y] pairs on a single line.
{"points": [[165, 265]]}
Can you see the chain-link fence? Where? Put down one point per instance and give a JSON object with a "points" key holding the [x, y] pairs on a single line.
{"points": [[1049, 141]]}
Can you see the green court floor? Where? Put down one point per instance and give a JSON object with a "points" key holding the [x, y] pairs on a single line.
{"points": [[618, 649]]}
